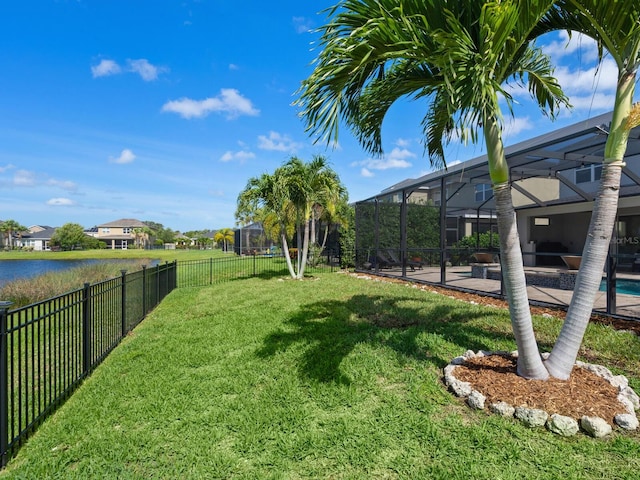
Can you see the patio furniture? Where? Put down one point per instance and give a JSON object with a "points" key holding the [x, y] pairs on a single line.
{"points": [[572, 261]]}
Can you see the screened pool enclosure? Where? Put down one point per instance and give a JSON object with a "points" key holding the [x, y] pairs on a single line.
{"points": [[441, 228]]}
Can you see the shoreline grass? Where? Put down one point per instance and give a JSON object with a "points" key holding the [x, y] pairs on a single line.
{"points": [[26, 291], [158, 254], [331, 377]]}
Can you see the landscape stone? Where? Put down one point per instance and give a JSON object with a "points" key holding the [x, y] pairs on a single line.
{"points": [[562, 425], [626, 421], [476, 400], [460, 389], [595, 426], [531, 417], [503, 409], [632, 396]]}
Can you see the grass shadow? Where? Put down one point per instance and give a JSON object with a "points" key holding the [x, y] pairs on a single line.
{"points": [[327, 331]]}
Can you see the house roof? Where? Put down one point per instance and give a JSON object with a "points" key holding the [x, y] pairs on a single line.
{"points": [[44, 234], [548, 158], [124, 222]]}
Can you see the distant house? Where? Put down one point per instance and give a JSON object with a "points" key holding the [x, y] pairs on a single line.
{"points": [[37, 238], [122, 234]]}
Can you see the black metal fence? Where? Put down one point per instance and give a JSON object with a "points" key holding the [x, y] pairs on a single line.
{"points": [[48, 348], [196, 273]]}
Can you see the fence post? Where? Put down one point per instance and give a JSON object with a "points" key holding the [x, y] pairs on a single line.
{"points": [[254, 263], [157, 300], [4, 382], [175, 275], [210, 270], [123, 313], [86, 329], [144, 291]]}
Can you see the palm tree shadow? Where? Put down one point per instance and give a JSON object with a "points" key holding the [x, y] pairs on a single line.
{"points": [[326, 332]]}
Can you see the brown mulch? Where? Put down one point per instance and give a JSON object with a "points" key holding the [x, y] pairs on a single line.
{"points": [[585, 393]]}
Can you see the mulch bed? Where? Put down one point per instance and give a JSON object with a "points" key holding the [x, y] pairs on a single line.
{"points": [[585, 393], [495, 376]]}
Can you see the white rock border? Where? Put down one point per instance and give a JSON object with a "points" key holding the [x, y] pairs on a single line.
{"points": [[561, 425]]}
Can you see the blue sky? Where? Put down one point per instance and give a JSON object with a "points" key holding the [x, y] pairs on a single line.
{"points": [[162, 110]]}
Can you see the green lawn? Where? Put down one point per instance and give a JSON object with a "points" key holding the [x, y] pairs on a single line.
{"points": [[331, 377]]}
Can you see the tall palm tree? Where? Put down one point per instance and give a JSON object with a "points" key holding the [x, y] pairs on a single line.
{"points": [[287, 198], [9, 227], [224, 236], [457, 55], [269, 194], [616, 28], [314, 186]]}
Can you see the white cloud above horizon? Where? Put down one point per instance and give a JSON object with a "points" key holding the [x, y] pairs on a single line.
{"points": [[278, 142], [397, 158], [241, 156], [126, 156], [60, 202], [146, 70], [302, 24], [230, 101], [141, 66], [105, 68]]}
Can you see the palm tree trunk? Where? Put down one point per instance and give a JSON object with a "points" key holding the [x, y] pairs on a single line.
{"points": [[287, 256], [305, 250], [565, 351], [324, 238], [529, 361]]}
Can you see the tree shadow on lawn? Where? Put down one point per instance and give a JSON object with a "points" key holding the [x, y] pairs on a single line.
{"points": [[327, 331]]}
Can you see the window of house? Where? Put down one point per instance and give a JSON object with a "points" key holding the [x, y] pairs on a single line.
{"points": [[126, 230], [588, 173], [105, 230], [541, 221], [483, 192]]}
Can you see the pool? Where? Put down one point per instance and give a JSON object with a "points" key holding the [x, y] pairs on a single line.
{"points": [[626, 286]]}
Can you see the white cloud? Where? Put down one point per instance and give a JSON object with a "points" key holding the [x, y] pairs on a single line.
{"points": [[29, 179], [60, 202], [230, 101], [147, 71], [302, 24], [578, 45], [603, 78], [126, 156], [365, 172], [595, 101], [24, 178], [105, 68], [396, 159], [241, 156], [233, 66], [277, 142], [514, 126], [63, 184], [6, 167]]}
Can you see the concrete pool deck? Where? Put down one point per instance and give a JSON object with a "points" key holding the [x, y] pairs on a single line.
{"points": [[460, 278]]}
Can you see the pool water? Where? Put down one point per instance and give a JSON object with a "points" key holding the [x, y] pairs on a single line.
{"points": [[628, 287]]}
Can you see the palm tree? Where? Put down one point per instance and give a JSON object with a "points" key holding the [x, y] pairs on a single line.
{"points": [[224, 236], [9, 227], [313, 186], [287, 199], [268, 193], [616, 28], [457, 55]]}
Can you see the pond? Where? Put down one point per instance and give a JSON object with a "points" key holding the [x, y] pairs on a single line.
{"points": [[18, 269]]}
